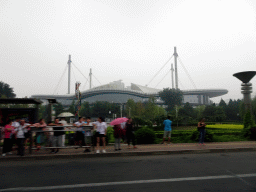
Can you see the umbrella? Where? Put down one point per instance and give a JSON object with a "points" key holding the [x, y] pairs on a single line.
{"points": [[118, 121], [66, 114]]}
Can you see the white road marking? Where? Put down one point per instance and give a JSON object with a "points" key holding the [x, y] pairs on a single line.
{"points": [[127, 182]]}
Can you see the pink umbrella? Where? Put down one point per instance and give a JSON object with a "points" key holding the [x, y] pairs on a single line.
{"points": [[118, 121]]}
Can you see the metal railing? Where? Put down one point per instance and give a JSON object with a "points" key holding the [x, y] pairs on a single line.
{"points": [[66, 128]]}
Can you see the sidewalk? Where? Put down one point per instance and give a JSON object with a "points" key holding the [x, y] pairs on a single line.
{"points": [[152, 149]]}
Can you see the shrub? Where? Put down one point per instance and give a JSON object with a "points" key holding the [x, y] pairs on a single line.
{"points": [[208, 136], [110, 135], [145, 136], [224, 126]]}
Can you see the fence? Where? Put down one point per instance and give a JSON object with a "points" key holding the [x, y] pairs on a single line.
{"points": [[35, 132]]}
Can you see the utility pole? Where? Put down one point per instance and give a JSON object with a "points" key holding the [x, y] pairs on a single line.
{"points": [[69, 72], [90, 74], [176, 71], [172, 76], [121, 110]]}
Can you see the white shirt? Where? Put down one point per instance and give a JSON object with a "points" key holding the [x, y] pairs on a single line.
{"points": [[101, 127], [88, 133], [78, 123], [15, 124], [21, 130]]}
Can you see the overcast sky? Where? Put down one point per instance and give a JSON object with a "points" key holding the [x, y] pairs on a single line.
{"points": [[126, 39]]}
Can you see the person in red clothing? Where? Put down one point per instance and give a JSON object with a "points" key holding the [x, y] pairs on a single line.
{"points": [[8, 131]]}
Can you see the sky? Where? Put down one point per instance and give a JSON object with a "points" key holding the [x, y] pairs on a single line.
{"points": [[126, 40]]}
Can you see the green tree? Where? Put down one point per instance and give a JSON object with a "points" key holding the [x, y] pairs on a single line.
{"points": [[171, 97], [130, 108], [58, 109], [150, 109], [6, 91], [209, 112], [219, 114], [72, 108], [85, 110], [199, 111]]}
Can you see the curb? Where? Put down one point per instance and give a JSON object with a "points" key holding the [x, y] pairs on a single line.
{"points": [[125, 154]]}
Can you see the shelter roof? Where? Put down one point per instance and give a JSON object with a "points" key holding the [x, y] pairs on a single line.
{"points": [[20, 101]]}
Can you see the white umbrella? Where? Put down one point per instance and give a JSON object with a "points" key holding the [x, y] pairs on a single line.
{"points": [[66, 114]]}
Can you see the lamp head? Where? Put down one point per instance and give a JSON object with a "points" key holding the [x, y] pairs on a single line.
{"points": [[245, 76]]}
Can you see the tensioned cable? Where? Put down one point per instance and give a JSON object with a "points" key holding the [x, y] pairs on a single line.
{"points": [[160, 70], [187, 73], [73, 73], [181, 84], [163, 78], [85, 84], [60, 79], [96, 79], [80, 71]]}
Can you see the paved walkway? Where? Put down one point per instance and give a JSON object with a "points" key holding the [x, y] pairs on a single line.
{"points": [[153, 149]]}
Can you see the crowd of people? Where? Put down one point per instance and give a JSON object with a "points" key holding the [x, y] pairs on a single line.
{"points": [[15, 134], [53, 135]]}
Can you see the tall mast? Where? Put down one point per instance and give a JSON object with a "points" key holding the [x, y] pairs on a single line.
{"points": [[69, 72], [90, 74], [176, 71], [172, 76]]}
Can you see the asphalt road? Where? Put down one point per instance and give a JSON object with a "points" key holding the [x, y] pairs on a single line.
{"points": [[186, 172]]}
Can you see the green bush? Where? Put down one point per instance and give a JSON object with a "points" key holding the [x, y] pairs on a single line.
{"points": [[208, 136], [145, 136], [110, 135]]}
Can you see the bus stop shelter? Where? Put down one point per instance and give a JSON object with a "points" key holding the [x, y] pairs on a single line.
{"points": [[8, 110]]}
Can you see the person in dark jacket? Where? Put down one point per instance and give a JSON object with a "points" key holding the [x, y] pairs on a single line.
{"points": [[118, 133], [201, 128], [130, 133]]}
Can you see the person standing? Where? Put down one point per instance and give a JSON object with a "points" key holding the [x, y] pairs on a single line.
{"points": [[20, 135], [15, 124], [101, 132], [167, 129], [79, 137], [201, 128], [64, 122], [118, 135], [39, 135], [8, 131], [130, 133], [88, 134], [57, 136]]}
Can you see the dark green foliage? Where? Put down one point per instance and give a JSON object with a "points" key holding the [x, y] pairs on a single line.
{"points": [[58, 109], [6, 91], [145, 136], [248, 122], [208, 136], [171, 97]]}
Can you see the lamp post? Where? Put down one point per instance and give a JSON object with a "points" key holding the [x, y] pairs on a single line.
{"points": [[246, 88]]}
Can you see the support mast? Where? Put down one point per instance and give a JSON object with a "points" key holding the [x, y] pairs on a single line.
{"points": [[90, 74], [176, 71], [69, 72], [172, 77]]}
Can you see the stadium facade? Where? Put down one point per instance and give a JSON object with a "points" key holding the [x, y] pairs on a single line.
{"points": [[116, 92]]}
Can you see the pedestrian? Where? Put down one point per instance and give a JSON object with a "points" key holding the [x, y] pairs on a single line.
{"points": [[167, 129], [88, 134], [58, 135], [15, 124], [201, 128], [79, 136], [101, 131], [40, 134], [20, 136], [64, 122], [118, 133], [130, 133], [8, 131], [49, 136]]}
